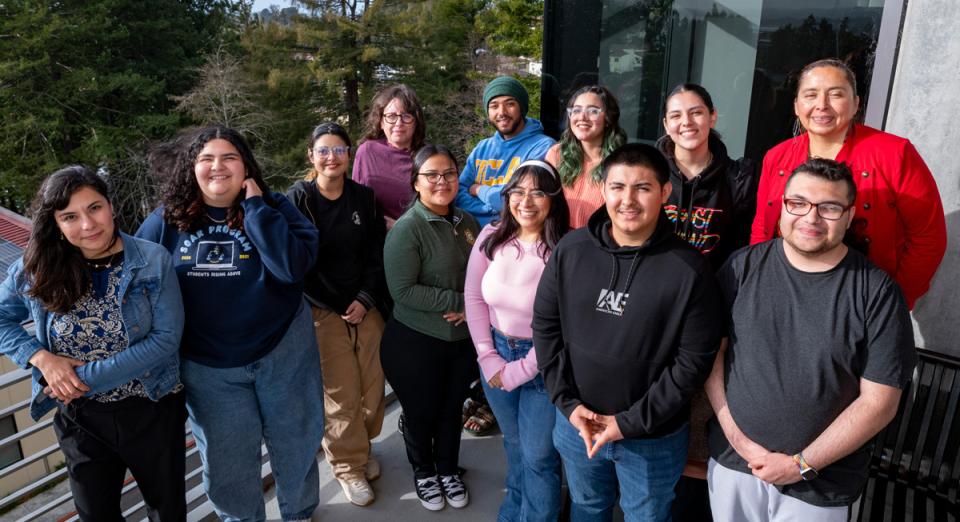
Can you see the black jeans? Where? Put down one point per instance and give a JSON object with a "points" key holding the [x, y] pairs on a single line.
{"points": [[102, 440], [430, 377]]}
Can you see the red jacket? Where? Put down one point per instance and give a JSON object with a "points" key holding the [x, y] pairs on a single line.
{"points": [[899, 214]]}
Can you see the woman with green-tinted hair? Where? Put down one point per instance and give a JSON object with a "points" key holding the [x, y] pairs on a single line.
{"points": [[593, 131]]}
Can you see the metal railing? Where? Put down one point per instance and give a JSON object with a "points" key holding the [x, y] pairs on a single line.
{"points": [[195, 496]]}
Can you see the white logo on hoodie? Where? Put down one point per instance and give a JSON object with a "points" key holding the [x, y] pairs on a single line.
{"points": [[611, 302]]}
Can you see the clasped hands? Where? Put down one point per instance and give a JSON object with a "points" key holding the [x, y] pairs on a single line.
{"points": [[62, 381], [595, 429], [771, 467]]}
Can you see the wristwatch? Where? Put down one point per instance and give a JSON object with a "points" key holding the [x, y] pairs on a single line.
{"points": [[806, 470]]}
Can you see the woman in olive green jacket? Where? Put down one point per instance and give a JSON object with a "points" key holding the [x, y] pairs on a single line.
{"points": [[426, 350]]}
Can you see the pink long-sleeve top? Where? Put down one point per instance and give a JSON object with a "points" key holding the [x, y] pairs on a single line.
{"points": [[500, 293]]}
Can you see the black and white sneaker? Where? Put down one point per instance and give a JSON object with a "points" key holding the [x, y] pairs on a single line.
{"points": [[430, 494], [454, 491]]}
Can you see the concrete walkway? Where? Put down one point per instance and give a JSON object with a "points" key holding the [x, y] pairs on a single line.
{"points": [[483, 457]]}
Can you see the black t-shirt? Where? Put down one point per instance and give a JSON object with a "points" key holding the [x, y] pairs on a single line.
{"points": [[350, 255], [799, 344]]}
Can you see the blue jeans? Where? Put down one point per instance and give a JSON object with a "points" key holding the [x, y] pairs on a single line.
{"points": [[277, 399], [533, 465], [646, 469]]}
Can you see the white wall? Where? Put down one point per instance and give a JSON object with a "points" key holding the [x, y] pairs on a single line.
{"points": [[925, 108]]}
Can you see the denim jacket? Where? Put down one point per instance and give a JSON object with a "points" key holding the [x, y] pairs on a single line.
{"points": [[152, 312]]}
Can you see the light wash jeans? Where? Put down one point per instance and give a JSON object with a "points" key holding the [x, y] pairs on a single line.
{"points": [[526, 415], [277, 399], [646, 469]]}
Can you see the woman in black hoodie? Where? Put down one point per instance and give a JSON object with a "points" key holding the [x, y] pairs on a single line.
{"points": [[714, 197], [711, 206]]}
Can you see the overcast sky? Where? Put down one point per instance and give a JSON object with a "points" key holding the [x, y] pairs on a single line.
{"points": [[260, 5]]}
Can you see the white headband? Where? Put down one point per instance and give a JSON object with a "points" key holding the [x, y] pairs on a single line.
{"points": [[538, 163]]}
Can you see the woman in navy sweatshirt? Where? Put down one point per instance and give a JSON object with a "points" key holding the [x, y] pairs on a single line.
{"points": [[249, 358]]}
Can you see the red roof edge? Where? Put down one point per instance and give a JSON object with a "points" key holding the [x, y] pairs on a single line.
{"points": [[14, 227]]}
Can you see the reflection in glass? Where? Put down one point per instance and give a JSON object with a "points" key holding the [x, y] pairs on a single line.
{"points": [[745, 52]]}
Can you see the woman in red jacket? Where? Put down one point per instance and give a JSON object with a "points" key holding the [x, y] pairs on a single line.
{"points": [[899, 221]]}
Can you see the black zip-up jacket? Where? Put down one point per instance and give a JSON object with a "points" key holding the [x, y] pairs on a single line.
{"points": [[349, 263], [722, 200], [627, 331]]}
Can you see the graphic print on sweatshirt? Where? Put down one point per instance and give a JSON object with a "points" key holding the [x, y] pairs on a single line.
{"points": [[612, 302], [697, 233], [214, 251], [489, 173]]}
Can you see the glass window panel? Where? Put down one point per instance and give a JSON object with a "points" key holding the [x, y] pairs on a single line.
{"points": [[745, 52]]}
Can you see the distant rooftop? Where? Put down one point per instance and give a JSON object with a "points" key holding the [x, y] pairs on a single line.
{"points": [[14, 233]]}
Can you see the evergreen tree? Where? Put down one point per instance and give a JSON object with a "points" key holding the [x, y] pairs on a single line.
{"points": [[84, 81]]}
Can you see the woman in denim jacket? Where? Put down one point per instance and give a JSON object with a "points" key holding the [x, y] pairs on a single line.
{"points": [[107, 317]]}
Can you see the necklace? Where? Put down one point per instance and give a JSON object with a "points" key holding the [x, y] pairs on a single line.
{"points": [[107, 264], [215, 220]]}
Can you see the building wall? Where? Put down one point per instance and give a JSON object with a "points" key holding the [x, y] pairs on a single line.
{"points": [[924, 107], [30, 445]]}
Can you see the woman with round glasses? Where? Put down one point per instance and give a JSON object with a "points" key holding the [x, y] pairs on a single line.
{"points": [[899, 221], [395, 130], [345, 288], [426, 351], [714, 196], [593, 131], [502, 277]]}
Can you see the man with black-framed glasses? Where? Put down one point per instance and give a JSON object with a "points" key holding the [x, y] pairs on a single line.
{"points": [[820, 347]]}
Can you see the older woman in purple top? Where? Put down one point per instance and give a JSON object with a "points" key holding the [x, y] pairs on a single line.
{"points": [[395, 129]]}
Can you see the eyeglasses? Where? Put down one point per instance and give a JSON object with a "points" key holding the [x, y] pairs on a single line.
{"points": [[516, 195], [392, 117], [829, 211], [591, 111], [323, 151], [434, 177]]}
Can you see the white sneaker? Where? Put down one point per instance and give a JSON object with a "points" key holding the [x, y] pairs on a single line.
{"points": [[357, 491], [372, 471], [454, 491], [430, 494]]}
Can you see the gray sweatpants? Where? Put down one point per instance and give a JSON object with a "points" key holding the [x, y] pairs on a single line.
{"points": [[739, 497]]}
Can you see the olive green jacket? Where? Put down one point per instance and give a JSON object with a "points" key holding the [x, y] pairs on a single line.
{"points": [[425, 260]]}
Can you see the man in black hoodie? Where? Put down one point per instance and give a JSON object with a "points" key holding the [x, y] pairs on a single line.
{"points": [[627, 321]]}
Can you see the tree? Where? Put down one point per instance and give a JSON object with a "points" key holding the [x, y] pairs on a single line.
{"points": [[225, 96], [85, 81], [515, 27]]}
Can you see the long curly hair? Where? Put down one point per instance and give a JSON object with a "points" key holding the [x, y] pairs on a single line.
{"points": [[571, 151], [554, 227], [173, 163], [55, 269], [411, 103]]}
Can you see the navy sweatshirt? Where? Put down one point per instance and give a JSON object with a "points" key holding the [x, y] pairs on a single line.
{"points": [[241, 289]]}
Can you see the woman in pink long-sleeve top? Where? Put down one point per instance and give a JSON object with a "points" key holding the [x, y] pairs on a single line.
{"points": [[502, 277]]}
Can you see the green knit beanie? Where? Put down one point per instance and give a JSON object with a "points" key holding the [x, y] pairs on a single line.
{"points": [[506, 86]]}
